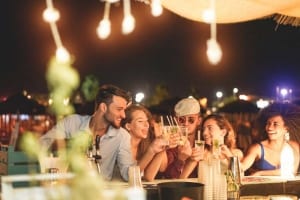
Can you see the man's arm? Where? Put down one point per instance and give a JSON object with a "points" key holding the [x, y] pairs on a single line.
{"points": [[124, 157]]}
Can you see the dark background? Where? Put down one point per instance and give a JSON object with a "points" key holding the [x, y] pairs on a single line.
{"points": [[169, 50]]}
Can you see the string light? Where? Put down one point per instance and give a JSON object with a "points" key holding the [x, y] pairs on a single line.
{"points": [[156, 8], [51, 15], [128, 23], [104, 27], [62, 55], [214, 52]]}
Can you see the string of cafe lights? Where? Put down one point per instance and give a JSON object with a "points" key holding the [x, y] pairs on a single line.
{"points": [[214, 52], [128, 23], [52, 15]]}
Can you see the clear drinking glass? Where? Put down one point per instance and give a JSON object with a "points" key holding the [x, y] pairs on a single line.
{"points": [[183, 135], [200, 144], [135, 176], [217, 143]]}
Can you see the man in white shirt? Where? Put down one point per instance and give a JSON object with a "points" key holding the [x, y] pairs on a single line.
{"points": [[105, 123]]}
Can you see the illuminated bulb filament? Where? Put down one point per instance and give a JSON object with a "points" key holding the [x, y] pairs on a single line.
{"points": [[128, 24], [156, 8], [104, 29], [214, 52], [209, 15], [51, 15], [62, 55]]}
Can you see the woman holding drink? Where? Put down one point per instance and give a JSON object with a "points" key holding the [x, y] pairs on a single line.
{"points": [[147, 149], [220, 142]]}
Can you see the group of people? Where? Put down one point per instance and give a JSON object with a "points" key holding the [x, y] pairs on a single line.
{"points": [[127, 135]]}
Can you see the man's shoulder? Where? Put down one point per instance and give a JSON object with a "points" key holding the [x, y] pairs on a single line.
{"points": [[75, 121], [76, 117]]}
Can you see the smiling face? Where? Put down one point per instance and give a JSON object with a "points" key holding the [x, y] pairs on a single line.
{"points": [[115, 111], [139, 125], [275, 128], [212, 130]]}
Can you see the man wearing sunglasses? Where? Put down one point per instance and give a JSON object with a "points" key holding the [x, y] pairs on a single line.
{"points": [[187, 112], [111, 141]]}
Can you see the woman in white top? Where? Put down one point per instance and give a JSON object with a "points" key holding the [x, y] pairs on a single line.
{"points": [[147, 149]]}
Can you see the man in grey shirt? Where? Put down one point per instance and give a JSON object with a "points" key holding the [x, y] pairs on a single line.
{"points": [[105, 124]]}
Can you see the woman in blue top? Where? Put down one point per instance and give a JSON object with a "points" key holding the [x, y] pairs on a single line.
{"points": [[278, 123]]}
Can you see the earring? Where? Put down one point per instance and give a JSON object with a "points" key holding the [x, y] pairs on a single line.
{"points": [[287, 136]]}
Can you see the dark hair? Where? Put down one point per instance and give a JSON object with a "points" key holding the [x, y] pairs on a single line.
{"points": [[223, 123], [106, 92], [290, 114]]}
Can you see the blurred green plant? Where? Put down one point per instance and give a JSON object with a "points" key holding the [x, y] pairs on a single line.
{"points": [[62, 81], [90, 87], [160, 93], [87, 183]]}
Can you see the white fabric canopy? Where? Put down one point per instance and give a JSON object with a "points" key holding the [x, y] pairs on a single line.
{"points": [[232, 11]]}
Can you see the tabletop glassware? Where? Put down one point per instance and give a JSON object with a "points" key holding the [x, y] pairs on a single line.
{"points": [[183, 135], [135, 179], [200, 144]]}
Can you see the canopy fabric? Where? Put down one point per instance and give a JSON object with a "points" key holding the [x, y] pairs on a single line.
{"points": [[233, 11]]}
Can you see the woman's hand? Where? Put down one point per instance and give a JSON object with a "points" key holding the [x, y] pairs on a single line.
{"points": [[197, 154], [184, 151], [159, 144], [225, 151], [174, 140]]}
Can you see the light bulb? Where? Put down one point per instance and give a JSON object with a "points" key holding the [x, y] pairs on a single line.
{"points": [[104, 29], [128, 24], [62, 55], [214, 52], [209, 15], [156, 8], [51, 15]]}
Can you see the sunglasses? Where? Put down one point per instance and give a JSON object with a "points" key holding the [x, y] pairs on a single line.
{"points": [[190, 120]]}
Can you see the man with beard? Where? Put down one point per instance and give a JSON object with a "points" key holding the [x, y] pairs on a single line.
{"points": [[104, 126]]}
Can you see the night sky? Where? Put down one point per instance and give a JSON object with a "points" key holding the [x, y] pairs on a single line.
{"points": [[168, 50]]}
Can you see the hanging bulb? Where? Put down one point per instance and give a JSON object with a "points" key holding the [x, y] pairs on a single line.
{"points": [[209, 16], [51, 15], [104, 29], [62, 55], [156, 8], [214, 52], [128, 24]]}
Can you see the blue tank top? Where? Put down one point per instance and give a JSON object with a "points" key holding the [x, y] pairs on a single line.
{"points": [[262, 164]]}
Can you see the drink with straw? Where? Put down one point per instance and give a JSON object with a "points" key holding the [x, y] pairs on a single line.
{"points": [[199, 144], [183, 135]]}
